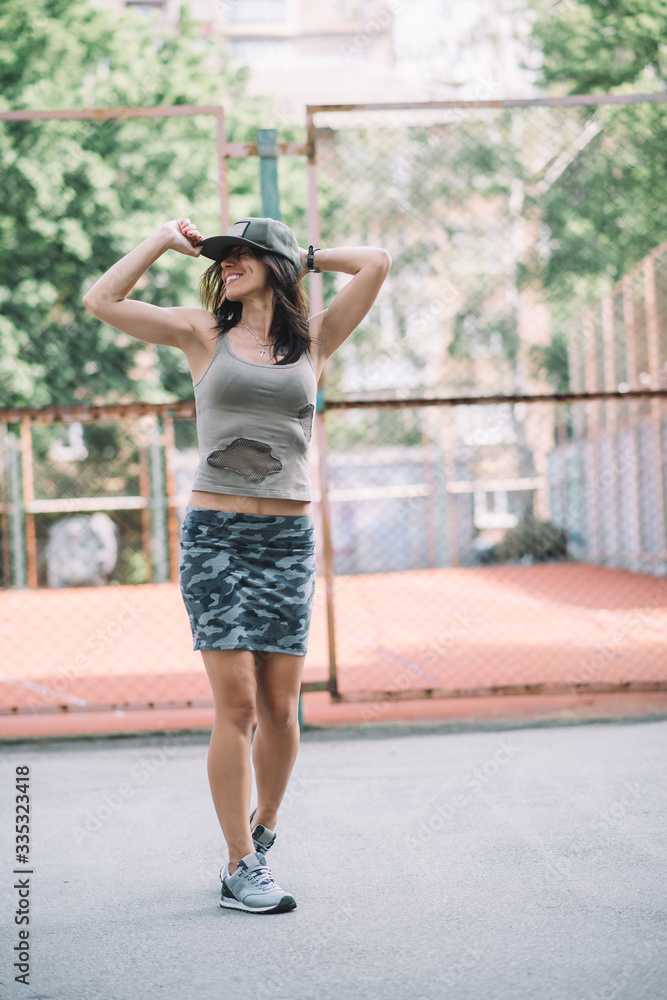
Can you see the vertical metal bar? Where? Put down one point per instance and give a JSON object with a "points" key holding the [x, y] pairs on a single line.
{"points": [[5, 532], [158, 508], [453, 508], [653, 337], [633, 409], [591, 510], [329, 572], [652, 324], [590, 366], [27, 474], [609, 368], [315, 286], [317, 305], [223, 181], [268, 172], [429, 502], [16, 522], [608, 346], [173, 531], [576, 366], [630, 340], [145, 491]]}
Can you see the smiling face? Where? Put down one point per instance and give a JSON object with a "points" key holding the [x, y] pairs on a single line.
{"points": [[243, 273]]}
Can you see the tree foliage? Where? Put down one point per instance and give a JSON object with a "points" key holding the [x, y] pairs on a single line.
{"points": [[79, 194], [606, 209], [597, 46]]}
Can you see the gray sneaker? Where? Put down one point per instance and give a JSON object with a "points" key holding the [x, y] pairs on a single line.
{"points": [[262, 838], [252, 887]]}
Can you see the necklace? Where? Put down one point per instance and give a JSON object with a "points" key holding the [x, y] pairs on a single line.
{"points": [[262, 345]]}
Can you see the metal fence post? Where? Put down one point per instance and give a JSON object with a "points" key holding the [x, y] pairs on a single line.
{"points": [[16, 532], [28, 481], [268, 180], [158, 508], [317, 305], [173, 526], [268, 172], [653, 338]]}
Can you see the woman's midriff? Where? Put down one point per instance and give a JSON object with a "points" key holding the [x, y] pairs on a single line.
{"points": [[248, 505]]}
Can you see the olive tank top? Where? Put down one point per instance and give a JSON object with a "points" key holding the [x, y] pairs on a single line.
{"points": [[254, 425]]}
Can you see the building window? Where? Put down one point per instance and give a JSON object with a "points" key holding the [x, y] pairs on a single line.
{"points": [[492, 510], [482, 425], [256, 10], [354, 10], [260, 50]]}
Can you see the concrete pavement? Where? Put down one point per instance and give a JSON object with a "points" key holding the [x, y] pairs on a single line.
{"points": [[427, 863]]}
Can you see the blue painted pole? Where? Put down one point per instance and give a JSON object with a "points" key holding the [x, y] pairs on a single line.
{"points": [[268, 172]]}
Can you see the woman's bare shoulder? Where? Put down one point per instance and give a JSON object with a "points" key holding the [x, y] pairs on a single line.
{"points": [[204, 323]]}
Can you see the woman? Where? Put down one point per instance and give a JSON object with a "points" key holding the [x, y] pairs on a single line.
{"points": [[247, 553]]}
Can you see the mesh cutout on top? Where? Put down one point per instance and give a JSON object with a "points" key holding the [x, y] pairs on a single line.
{"points": [[306, 420], [251, 459]]}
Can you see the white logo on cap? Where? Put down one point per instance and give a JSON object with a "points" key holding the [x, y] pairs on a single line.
{"points": [[238, 229]]}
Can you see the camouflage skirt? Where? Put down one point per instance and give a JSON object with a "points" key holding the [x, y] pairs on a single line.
{"points": [[248, 579]]}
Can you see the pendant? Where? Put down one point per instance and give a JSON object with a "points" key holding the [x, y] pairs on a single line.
{"points": [[262, 352]]}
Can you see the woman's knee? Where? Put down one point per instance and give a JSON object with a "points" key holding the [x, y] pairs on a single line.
{"points": [[278, 718], [237, 709]]}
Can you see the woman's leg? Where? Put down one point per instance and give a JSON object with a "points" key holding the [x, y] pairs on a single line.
{"points": [[276, 741], [232, 676]]}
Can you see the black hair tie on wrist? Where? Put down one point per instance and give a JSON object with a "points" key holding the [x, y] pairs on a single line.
{"points": [[310, 259]]}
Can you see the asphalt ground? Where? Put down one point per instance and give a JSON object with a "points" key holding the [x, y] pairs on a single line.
{"points": [[433, 862]]}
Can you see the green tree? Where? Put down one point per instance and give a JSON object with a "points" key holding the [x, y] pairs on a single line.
{"points": [[77, 195], [552, 362], [605, 208], [597, 46]]}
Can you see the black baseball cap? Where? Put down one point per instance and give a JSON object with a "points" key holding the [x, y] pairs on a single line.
{"points": [[263, 234]]}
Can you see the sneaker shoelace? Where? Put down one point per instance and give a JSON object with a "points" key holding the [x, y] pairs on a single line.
{"points": [[259, 876]]}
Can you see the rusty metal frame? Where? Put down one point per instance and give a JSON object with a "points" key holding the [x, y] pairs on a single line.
{"points": [[172, 111], [185, 409], [570, 100]]}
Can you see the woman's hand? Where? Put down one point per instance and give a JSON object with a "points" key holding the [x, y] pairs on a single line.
{"points": [[183, 236], [304, 265]]}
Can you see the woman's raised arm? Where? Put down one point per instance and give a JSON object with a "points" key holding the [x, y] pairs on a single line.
{"points": [[369, 267], [107, 299]]}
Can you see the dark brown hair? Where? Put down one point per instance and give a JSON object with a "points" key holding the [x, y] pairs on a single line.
{"points": [[289, 331]]}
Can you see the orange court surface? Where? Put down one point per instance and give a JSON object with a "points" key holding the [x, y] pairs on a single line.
{"points": [[107, 659]]}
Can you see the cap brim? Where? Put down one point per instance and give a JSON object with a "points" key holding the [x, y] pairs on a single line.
{"points": [[216, 247]]}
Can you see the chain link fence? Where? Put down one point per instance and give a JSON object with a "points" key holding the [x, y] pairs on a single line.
{"points": [[489, 455], [528, 278]]}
